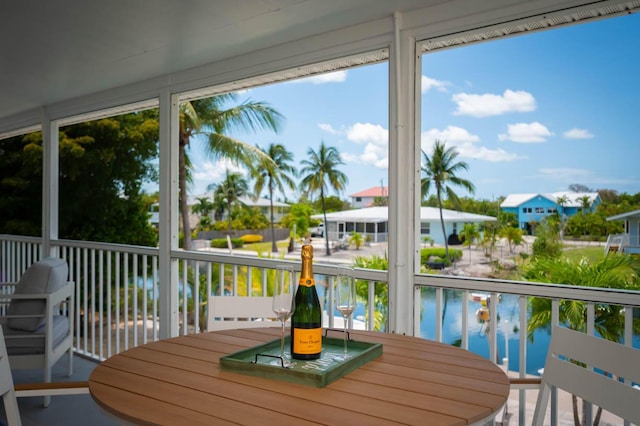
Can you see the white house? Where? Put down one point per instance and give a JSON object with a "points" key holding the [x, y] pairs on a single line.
{"points": [[367, 197], [373, 222]]}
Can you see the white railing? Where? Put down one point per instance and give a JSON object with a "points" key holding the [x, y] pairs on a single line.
{"points": [[117, 291], [617, 242], [469, 289], [117, 288]]}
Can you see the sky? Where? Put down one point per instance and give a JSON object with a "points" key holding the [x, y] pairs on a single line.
{"points": [[528, 114]]}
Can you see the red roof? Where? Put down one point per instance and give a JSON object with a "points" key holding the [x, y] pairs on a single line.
{"points": [[376, 191]]}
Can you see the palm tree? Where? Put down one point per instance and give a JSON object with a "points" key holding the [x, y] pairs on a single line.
{"points": [[613, 271], [231, 189], [276, 172], [585, 203], [561, 201], [440, 171], [206, 117], [469, 233], [203, 208], [320, 173]]}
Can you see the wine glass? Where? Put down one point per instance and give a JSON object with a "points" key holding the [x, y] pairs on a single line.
{"points": [[283, 303], [345, 298]]}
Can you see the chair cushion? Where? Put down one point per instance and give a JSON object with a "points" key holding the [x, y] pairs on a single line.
{"points": [[34, 343], [43, 277]]}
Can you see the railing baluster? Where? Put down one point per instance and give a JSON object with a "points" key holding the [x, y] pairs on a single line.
{"points": [[117, 299], [155, 298], [196, 297], [144, 299], [109, 351], [125, 288], [185, 284], [134, 296], [101, 303], [465, 320]]}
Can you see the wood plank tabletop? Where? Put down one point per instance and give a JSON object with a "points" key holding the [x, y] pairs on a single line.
{"points": [[414, 382]]}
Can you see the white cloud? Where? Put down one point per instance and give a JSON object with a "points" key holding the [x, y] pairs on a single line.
{"points": [[577, 134], [526, 133], [431, 83], [331, 77], [368, 133], [207, 173], [328, 128], [452, 135], [489, 104], [465, 144], [375, 139], [565, 174]]}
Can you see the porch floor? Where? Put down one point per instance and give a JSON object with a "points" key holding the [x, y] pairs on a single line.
{"points": [[68, 410]]}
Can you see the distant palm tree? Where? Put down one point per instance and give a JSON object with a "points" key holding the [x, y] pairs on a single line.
{"points": [[585, 203], [562, 201], [440, 171], [203, 209], [207, 117], [276, 172], [231, 189], [320, 173], [469, 233]]}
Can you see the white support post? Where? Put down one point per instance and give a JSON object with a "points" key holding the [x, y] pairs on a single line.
{"points": [[168, 215], [402, 161], [50, 183]]}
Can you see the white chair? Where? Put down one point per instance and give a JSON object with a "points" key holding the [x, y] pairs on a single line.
{"points": [[38, 317], [226, 312], [10, 392], [612, 391]]}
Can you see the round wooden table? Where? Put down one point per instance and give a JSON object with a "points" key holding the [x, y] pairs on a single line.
{"points": [[415, 381]]}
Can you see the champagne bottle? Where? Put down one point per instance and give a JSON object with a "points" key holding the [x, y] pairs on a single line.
{"points": [[306, 321]]}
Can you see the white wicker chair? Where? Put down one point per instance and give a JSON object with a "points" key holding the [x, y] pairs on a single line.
{"points": [[38, 317], [226, 312], [612, 391]]}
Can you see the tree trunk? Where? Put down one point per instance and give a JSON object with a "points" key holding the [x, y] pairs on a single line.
{"points": [[274, 246], [325, 232], [444, 231], [182, 183]]}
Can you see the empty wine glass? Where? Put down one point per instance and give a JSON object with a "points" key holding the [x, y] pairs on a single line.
{"points": [[345, 298], [283, 302]]}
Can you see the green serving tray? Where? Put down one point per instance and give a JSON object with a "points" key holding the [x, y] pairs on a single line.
{"points": [[318, 373]]}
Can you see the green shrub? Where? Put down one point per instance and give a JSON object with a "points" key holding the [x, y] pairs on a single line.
{"points": [[222, 243], [439, 252], [252, 238]]}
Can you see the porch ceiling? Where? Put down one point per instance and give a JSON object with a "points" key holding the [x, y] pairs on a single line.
{"points": [[53, 51], [64, 51]]}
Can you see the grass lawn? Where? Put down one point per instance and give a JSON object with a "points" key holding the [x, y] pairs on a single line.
{"points": [[592, 254], [265, 247]]}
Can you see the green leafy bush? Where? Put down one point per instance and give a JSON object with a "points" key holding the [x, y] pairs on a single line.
{"points": [[439, 252], [222, 243]]}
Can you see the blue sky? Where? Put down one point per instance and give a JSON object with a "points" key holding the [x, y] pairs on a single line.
{"points": [[531, 113]]}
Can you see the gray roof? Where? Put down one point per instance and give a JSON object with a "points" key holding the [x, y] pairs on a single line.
{"points": [[381, 214], [627, 215]]}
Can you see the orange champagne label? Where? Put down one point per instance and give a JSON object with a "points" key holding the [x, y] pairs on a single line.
{"points": [[307, 341]]}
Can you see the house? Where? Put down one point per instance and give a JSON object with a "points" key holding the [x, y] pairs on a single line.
{"points": [[374, 222], [534, 208], [367, 197], [629, 241], [280, 209]]}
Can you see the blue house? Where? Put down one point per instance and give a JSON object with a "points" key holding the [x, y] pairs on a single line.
{"points": [[533, 208]]}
